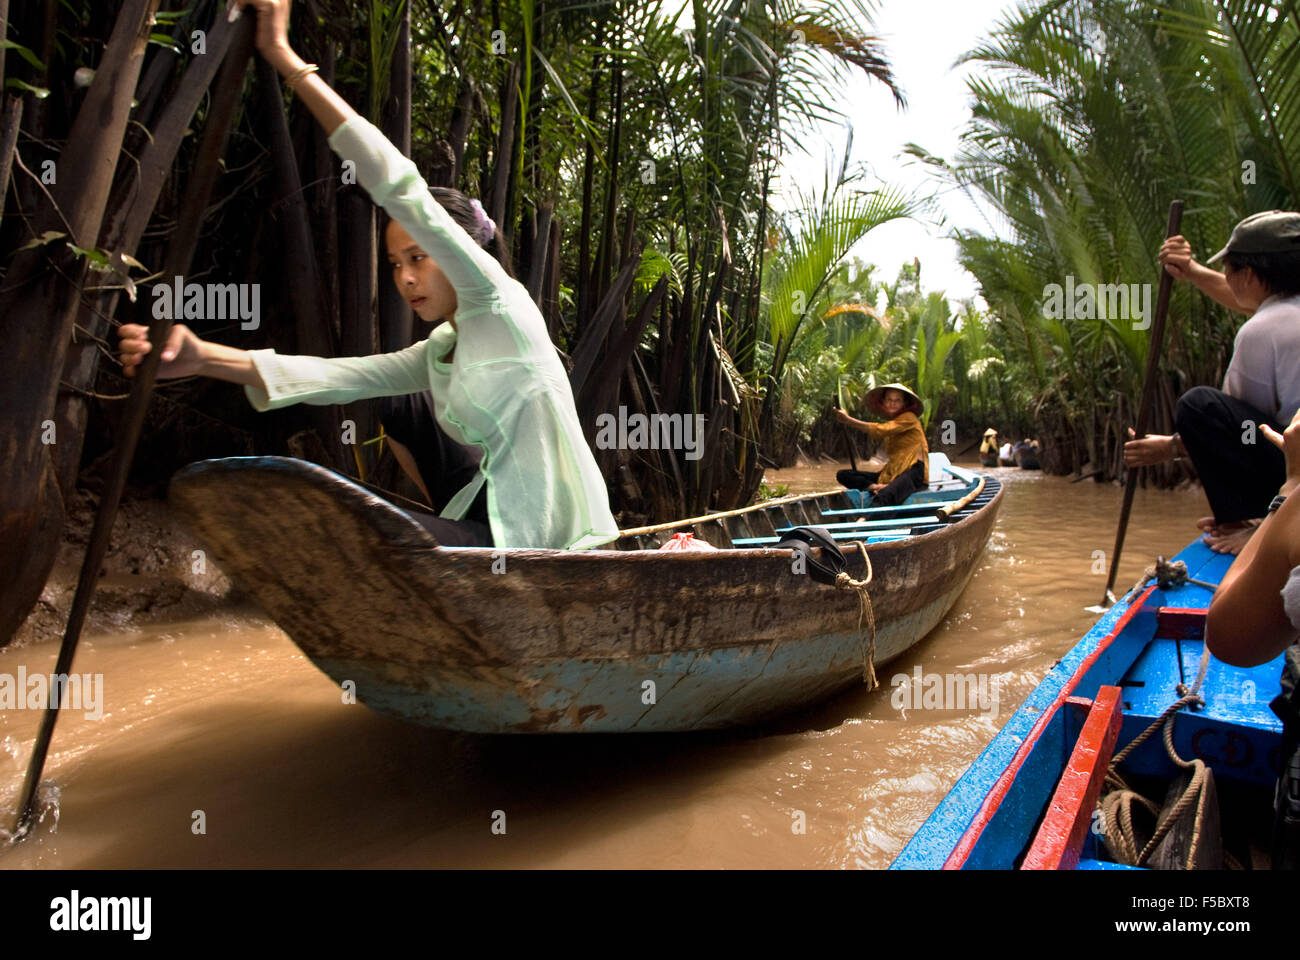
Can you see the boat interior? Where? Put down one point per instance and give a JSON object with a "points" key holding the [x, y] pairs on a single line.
{"points": [[1030, 800], [953, 494]]}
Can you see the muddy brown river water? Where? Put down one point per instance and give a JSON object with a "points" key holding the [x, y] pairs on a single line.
{"points": [[220, 745]]}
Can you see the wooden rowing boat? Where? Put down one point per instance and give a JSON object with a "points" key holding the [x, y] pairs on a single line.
{"points": [[622, 639], [1029, 800]]}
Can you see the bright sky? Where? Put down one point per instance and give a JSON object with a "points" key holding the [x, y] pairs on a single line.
{"points": [[922, 39]]}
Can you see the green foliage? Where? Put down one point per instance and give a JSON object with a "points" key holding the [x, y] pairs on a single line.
{"points": [[1096, 115]]}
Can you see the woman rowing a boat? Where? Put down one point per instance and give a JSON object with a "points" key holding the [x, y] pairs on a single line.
{"points": [[989, 448], [494, 375], [908, 468]]}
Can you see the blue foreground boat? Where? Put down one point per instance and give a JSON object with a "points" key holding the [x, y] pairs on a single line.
{"points": [[1029, 801], [631, 638]]}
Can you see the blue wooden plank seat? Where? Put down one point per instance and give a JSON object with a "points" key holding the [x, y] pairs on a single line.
{"points": [[911, 508], [885, 524], [846, 536]]}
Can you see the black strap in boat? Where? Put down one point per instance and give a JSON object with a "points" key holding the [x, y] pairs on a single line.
{"points": [[1286, 810], [829, 565]]}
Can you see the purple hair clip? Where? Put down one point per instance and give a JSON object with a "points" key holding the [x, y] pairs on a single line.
{"points": [[486, 228]]}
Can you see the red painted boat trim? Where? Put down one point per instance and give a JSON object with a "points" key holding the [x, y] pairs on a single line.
{"points": [[1069, 815], [962, 851]]}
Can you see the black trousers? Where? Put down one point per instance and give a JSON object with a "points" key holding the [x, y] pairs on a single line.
{"points": [[899, 489], [1239, 468], [452, 533]]}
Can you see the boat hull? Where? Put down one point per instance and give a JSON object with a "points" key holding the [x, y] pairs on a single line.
{"points": [[1144, 646], [529, 641]]}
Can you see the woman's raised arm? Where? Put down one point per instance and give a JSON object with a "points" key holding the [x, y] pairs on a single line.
{"points": [[389, 177], [331, 110]]}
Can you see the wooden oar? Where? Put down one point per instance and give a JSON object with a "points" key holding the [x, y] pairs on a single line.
{"points": [[123, 454], [848, 434], [179, 256], [1148, 399]]}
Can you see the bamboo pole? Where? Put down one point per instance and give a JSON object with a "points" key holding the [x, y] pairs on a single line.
{"points": [[1148, 398], [180, 254]]}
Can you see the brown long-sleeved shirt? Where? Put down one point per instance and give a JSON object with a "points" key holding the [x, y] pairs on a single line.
{"points": [[904, 444]]}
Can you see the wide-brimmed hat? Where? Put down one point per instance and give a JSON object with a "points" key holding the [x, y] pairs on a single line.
{"points": [[1273, 231], [914, 403], [990, 432]]}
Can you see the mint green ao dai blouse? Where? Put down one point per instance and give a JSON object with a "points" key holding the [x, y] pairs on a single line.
{"points": [[504, 389]]}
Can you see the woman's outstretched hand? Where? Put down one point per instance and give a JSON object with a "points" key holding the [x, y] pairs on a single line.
{"points": [[272, 27], [182, 355]]}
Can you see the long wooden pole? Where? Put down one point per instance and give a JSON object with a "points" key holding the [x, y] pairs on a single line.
{"points": [[180, 253], [848, 434], [1148, 399]]}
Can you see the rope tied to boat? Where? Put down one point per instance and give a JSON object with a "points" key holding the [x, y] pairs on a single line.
{"points": [[829, 566], [865, 611], [1169, 575], [1119, 799]]}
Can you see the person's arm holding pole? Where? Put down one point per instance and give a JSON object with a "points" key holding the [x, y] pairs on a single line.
{"points": [[1176, 257]]}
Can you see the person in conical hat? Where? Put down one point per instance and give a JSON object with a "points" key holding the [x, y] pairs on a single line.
{"points": [[876, 400], [989, 448], [908, 467]]}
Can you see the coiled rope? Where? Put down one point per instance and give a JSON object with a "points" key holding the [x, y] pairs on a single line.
{"points": [[844, 582], [1119, 800]]}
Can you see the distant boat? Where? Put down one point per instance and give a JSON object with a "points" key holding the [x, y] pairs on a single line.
{"points": [[1026, 455], [1029, 799], [612, 640]]}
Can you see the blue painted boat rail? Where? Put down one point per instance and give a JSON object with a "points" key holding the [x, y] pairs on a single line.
{"points": [[989, 816]]}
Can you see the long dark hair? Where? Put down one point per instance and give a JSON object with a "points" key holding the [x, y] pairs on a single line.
{"points": [[462, 211]]}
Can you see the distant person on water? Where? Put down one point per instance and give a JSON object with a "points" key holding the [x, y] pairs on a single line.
{"points": [[989, 448], [908, 467], [1218, 429], [493, 375], [1025, 453]]}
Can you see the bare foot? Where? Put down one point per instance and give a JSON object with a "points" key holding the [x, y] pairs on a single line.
{"points": [[1207, 524], [1231, 538]]}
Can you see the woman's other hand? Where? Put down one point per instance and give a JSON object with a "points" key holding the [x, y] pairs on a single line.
{"points": [[182, 356]]}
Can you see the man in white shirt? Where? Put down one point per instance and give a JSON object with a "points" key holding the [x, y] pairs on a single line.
{"points": [[1219, 429]]}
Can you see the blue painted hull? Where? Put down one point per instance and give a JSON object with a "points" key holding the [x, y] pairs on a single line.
{"points": [[988, 819]]}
